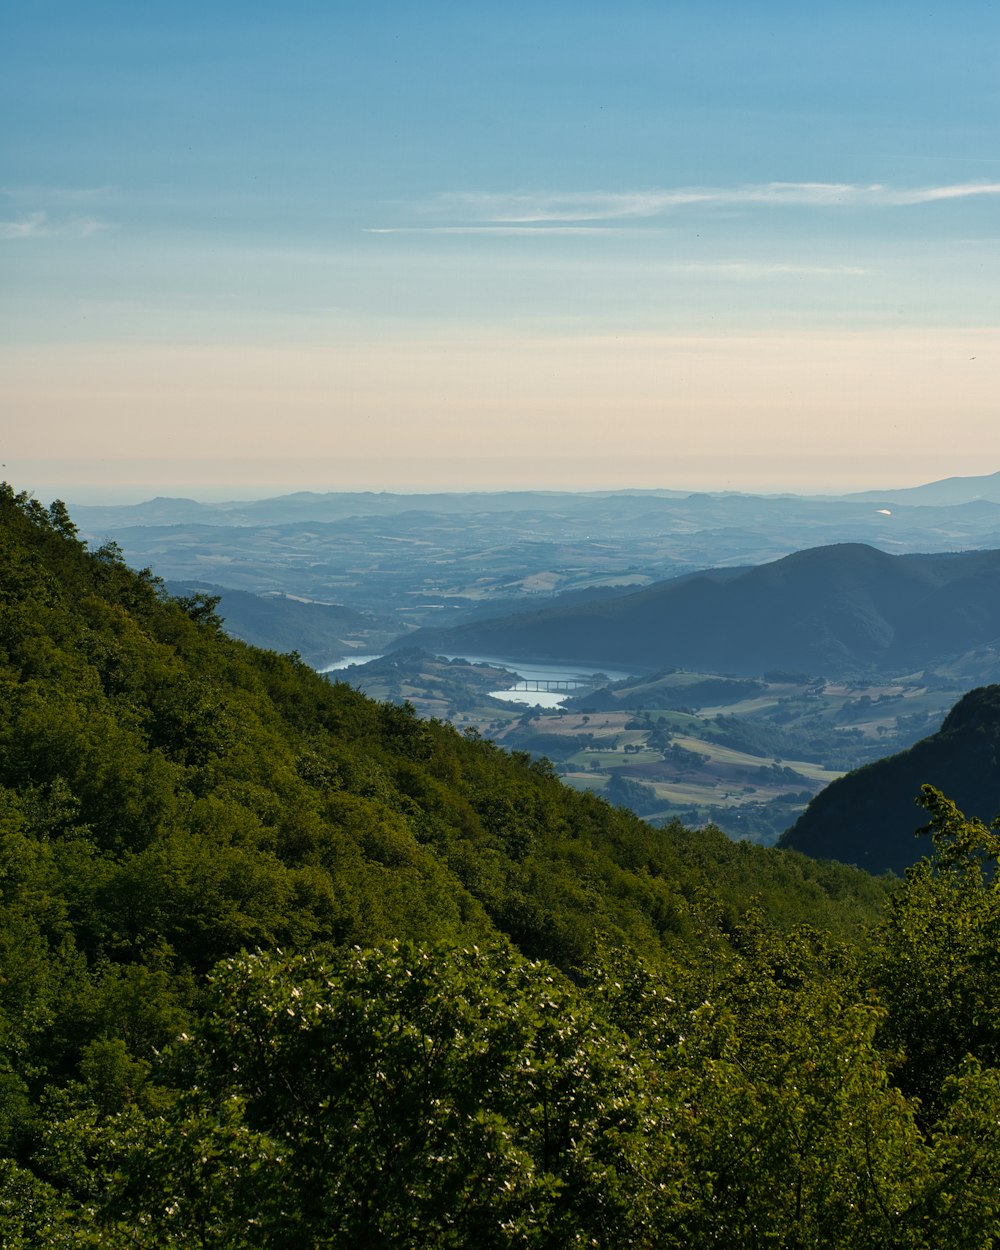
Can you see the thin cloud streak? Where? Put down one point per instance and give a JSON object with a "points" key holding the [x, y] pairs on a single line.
{"points": [[63, 196], [38, 225], [31, 226], [767, 269], [513, 229], [524, 208], [727, 268]]}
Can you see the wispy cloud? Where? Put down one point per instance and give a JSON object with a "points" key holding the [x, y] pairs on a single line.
{"points": [[40, 225], [543, 208], [751, 269], [509, 229], [735, 269], [87, 227], [956, 191], [26, 194], [40, 212], [29, 226]]}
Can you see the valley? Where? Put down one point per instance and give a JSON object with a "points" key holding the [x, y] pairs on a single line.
{"points": [[404, 562], [498, 748], [741, 669], [745, 755]]}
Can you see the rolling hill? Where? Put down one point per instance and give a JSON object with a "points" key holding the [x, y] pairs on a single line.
{"points": [[319, 632], [946, 492], [869, 817], [836, 610]]}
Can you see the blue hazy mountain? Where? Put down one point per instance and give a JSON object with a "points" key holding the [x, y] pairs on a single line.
{"points": [[319, 632], [836, 610], [437, 559], [947, 492]]}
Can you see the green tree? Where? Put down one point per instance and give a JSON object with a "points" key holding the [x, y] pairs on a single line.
{"points": [[935, 960], [407, 1097]]}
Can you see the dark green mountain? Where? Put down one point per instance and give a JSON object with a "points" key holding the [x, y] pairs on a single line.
{"points": [[835, 610], [869, 817]]}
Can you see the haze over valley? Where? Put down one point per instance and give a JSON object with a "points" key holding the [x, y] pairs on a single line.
{"points": [[752, 672], [436, 559]]}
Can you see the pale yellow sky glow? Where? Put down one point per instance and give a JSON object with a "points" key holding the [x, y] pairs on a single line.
{"points": [[248, 250], [797, 411]]}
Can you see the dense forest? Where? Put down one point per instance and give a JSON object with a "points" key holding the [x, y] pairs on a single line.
{"points": [[281, 966]]}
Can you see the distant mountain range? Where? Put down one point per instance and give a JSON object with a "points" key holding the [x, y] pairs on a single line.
{"points": [[947, 492], [837, 610], [869, 816], [441, 559], [335, 505]]}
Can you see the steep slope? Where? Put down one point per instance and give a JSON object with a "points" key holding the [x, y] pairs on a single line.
{"points": [[827, 610], [962, 615], [317, 631], [869, 817], [169, 796]]}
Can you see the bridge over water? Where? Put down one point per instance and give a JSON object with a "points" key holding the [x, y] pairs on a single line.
{"points": [[541, 683]]}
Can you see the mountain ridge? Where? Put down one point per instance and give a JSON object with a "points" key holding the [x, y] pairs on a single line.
{"points": [[829, 610], [283, 966], [868, 817], [317, 505], [947, 491]]}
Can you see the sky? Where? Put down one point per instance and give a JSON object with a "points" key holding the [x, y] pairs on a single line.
{"points": [[253, 248]]}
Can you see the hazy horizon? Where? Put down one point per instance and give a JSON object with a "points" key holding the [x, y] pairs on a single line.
{"points": [[254, 250], [126, 493]]}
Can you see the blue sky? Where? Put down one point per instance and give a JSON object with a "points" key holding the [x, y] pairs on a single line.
{"points": [[248, 248]]}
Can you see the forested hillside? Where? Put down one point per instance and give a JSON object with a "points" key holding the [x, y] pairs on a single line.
{"points": [[281, 966], [867, 817]]}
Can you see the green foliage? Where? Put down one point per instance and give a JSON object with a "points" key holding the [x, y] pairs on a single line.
{"points": [[935, 960], [417, 1096], [420, 1098], [792, 1124], [636, 795]]}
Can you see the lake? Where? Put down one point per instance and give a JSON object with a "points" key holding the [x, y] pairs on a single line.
{"points": [[542, 671], [347, 661]]}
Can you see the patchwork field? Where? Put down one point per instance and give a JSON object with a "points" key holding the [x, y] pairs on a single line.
{"points": [[670, 745]]}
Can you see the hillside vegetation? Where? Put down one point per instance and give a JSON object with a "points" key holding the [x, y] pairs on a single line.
{"points": [[282, 966]]}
